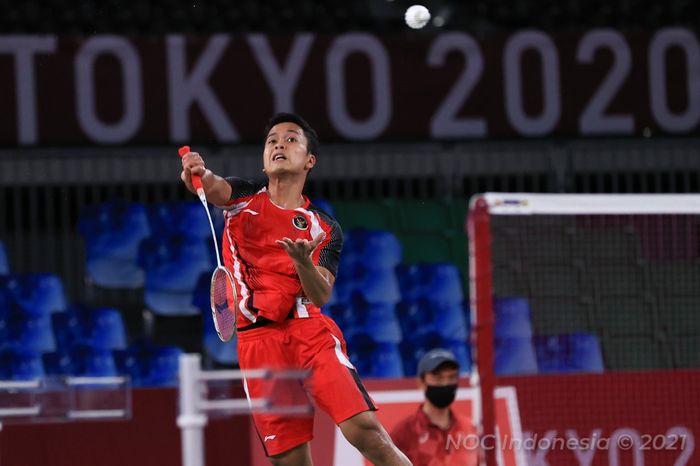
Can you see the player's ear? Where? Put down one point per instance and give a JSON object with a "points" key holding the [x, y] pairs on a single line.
{"points": [[311, 162]]}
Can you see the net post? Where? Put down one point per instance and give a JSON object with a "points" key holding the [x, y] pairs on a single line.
{"points": [[481, 297], [190, 421]]}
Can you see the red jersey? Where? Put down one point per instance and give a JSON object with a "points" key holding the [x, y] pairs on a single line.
{"points": [[426, 444], [266, 280]]}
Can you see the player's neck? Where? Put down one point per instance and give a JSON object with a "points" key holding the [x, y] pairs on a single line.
{"points": [[286, 192], [438, 416]]}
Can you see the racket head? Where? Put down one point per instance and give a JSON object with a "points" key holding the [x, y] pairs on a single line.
{"points": [[224, 303]]}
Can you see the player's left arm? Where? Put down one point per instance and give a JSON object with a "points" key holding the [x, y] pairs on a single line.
{"points": [[317, 280]]}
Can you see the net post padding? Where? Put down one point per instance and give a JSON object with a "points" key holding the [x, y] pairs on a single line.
{"points": [[481, 297]]}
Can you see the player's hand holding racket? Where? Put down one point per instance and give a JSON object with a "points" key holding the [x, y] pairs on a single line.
{"points": [[224, 301]]}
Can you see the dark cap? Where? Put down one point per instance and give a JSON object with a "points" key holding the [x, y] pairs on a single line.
{"points": [[434, 358]]}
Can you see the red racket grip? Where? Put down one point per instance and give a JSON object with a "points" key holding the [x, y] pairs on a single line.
{"points": [[196, 179]]}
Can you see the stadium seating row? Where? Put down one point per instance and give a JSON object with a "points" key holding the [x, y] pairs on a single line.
{"points": [[40, 335], [520, 351], [146, 364]]}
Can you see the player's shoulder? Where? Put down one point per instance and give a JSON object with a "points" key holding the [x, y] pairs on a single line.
{"points": [[324, 216], [245, 187]]}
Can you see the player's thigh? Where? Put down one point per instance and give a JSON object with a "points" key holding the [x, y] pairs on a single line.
{"points": [[335, 385], [278, 432]]}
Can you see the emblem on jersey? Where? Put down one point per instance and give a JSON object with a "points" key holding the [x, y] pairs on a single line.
{"points": [[300, 222]]}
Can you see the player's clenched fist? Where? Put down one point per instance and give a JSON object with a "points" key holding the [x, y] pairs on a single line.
{"points": [[192, 164]]}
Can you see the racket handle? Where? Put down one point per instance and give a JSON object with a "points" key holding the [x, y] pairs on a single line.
{"points": [[196, 179]]}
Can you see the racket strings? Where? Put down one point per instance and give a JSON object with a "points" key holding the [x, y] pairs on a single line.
{"points": [[223, 304]]}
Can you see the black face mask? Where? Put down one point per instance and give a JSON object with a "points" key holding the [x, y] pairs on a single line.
{"points": [[441, 396]]}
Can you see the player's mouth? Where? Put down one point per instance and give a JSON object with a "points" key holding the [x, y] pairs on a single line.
{"points": [[278, 156]]}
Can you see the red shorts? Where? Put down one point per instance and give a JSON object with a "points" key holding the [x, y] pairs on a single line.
{"points": [[315, 344]]}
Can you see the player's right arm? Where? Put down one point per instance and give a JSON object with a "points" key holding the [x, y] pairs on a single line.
{"points": [[217, 189]]}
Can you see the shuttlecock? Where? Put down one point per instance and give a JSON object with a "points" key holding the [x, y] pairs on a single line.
{"points": [[417, 16]]}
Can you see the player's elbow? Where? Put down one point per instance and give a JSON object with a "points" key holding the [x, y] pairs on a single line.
{"points": [[322, 298]]}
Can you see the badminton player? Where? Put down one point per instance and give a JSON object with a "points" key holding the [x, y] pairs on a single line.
{"points": [[283, 253]]}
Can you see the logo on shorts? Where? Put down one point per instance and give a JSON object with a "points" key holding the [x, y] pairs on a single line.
{"points": [[300, 222], [269, 437]]}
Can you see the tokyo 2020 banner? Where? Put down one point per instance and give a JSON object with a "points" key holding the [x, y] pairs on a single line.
{"points": [[108, 89]]}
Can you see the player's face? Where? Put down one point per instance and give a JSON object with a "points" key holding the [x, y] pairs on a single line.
{"points": [[286, 151]]}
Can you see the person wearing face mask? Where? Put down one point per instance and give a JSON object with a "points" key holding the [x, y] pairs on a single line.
{"points": [[423, 436]]}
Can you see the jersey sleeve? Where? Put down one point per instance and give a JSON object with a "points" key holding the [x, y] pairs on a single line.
{"points": [[330, 252], [241, 189]]}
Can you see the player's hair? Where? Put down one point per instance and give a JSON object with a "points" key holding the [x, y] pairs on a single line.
{"points": [[309, 132]]}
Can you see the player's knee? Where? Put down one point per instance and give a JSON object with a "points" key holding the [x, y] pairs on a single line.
{"points": [[364, 431]]}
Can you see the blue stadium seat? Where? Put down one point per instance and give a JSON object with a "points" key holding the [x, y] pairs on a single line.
{"points": [[442, 282], [345, 318], [386, 361], [201, 298], [409, 281], [450, 320], [112, 233], [181, 219], [378, 320], [375, 249], [173, 268], [374, 359], [58, 363], [551, 357], [69, 327], [147, 364], [7, 302], [163, 366], [219, 351], [32, 334], [36, 294], [568, 353], [5, 321], [375, 285], [27, 365], [6, 356], [133, 362], [462, 352], [586, 353], [4, 263], [433, 281], [105, 329], [416, 317], [421, 316], [512, 316], [93, 362], [342, 289], [515, 356], [360, 347]]}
